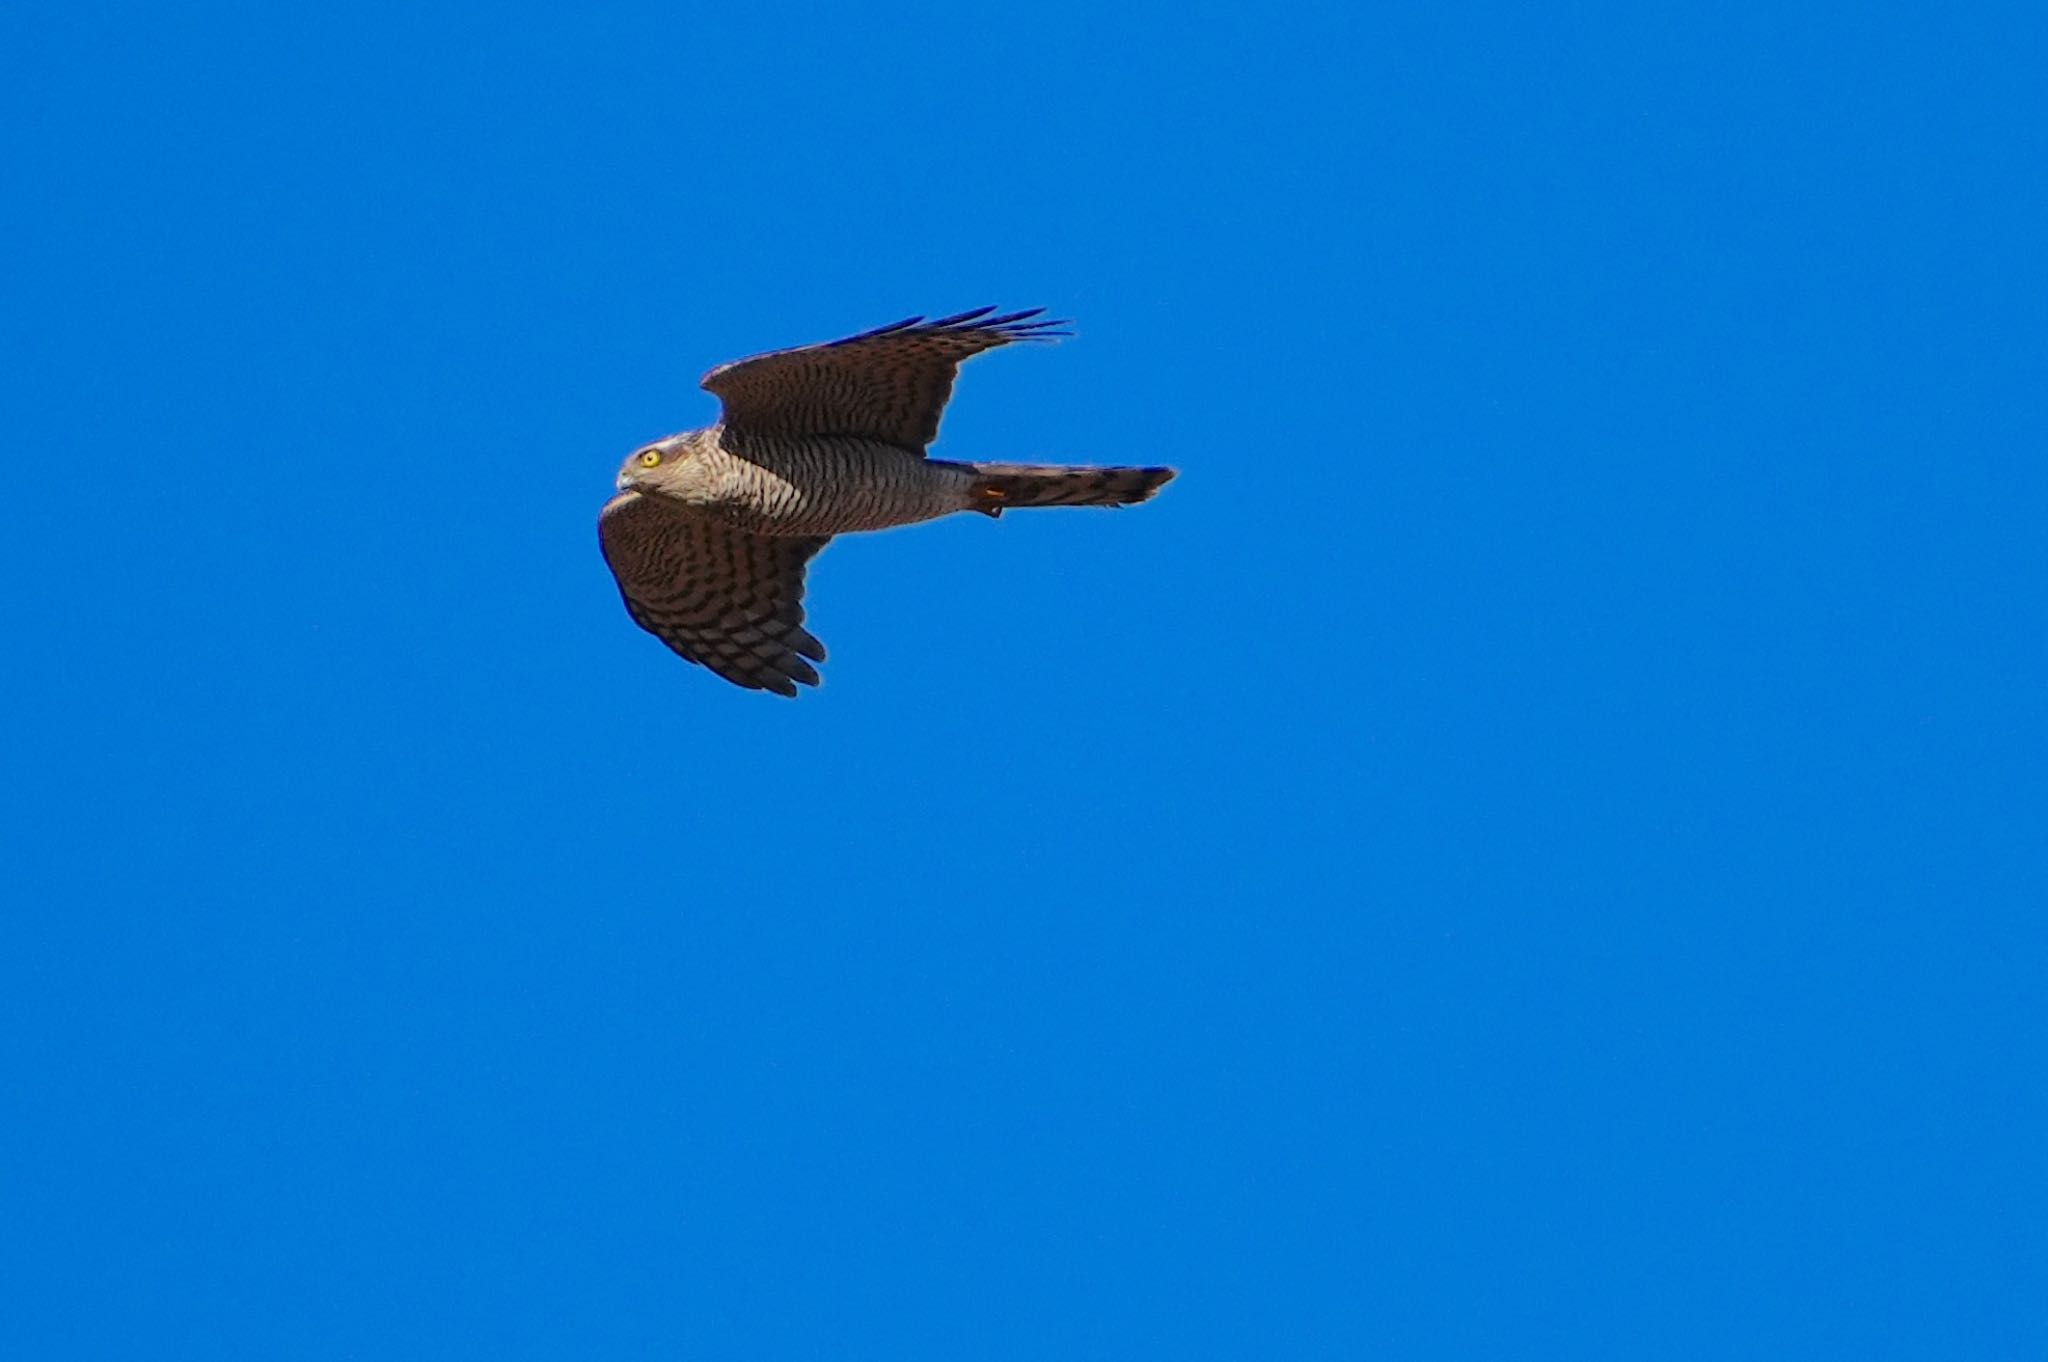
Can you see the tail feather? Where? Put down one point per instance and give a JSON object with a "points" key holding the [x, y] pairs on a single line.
{"points": [[999, 486]]}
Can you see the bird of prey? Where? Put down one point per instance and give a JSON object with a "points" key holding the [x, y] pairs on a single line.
{"points": [[712, 529]]}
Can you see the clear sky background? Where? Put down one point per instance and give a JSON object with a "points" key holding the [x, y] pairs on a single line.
{"points": [[1532, 847]]}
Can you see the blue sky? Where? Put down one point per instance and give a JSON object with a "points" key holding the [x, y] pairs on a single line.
{"points": [[1532, 847]]}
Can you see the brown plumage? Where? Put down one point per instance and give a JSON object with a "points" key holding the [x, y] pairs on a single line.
{"points": [[999, 487], [712, 529]]}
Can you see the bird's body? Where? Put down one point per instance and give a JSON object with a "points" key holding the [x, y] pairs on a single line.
{"points": [[817, 484], [713, 529]]}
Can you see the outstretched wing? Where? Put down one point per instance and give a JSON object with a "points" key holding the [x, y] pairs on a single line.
{"points": [[888, 384], [721, 597]]}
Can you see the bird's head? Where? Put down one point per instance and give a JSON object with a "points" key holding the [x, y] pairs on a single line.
{"points": [[659, 467]]}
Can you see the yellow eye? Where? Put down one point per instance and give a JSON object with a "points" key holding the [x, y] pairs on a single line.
{"points": [[649, 458]]}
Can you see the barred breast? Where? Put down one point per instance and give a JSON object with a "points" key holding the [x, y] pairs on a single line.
{"points": [[794, 484]]}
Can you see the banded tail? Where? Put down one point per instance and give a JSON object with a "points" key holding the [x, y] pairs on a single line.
{"points": [[999, 486]]}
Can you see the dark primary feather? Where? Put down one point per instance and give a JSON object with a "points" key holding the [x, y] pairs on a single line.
{"points": [[718, 596], [976, 320], [889, 384]]}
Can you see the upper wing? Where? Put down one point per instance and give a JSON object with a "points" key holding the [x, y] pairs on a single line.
{"points": [[724, 598], [889, 384]]}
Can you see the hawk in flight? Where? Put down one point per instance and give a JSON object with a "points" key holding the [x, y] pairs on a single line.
{"points": [[712, 529]]}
